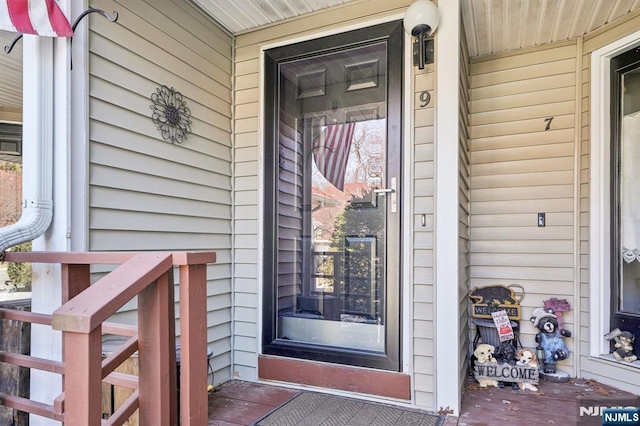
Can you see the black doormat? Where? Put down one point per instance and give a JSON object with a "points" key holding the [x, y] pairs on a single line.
{"points": [[316, 409]]}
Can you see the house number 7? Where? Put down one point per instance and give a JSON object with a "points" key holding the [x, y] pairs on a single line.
{"points": [[548, 120]]}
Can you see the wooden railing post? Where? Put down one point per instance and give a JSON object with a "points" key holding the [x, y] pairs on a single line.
{"points": [[193, 345], [75, 280], [157, 357], [83, 356]]}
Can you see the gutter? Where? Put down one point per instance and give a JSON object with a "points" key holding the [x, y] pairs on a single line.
{"points": [[37, 128], [39, 111]]}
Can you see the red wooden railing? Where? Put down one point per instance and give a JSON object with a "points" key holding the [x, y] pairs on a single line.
{"points": [[82, 320]]}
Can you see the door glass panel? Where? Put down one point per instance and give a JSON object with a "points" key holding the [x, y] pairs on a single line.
{"points": [[629, 292], [332, 199]]}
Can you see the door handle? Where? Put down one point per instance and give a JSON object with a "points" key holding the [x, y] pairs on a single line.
{"points": [[394, 194]]}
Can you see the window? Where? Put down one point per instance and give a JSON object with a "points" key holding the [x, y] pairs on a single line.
{"points": [[625, 195]]}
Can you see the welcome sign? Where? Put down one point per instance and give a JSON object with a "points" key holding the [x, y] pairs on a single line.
{"points": [[494, 298], [506, 373]]}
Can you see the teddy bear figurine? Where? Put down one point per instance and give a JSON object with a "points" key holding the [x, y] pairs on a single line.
{"points": [[484, 354], [624, 348], [550, 339]]}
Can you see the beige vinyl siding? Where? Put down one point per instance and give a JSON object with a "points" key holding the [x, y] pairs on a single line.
{"points": [[617, 375], [423, 273], [245, 238], [464, 200], [144, 192], [247, 171], [519, 169]]}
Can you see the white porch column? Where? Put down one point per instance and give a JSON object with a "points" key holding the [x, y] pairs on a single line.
{"points": [[47, 112], [447, 327], [38, 136]]}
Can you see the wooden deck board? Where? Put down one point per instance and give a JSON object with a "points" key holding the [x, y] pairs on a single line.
{"points": [[553, 403], [243, 403]]}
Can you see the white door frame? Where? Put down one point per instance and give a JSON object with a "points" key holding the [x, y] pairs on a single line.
{"points": [[599, 196]]}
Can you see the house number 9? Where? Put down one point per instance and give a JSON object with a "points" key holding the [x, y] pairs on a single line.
{"points": [[425, 98]]}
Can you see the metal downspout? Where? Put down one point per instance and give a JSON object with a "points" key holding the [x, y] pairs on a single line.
{"points": [[35, 220], [37, 188]]}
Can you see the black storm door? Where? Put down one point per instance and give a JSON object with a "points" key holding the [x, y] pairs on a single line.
{"points": [[332, 206]]}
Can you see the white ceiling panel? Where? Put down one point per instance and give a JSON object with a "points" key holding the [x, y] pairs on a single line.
{"points": [[494, 26], [242, 15], [491, 26], [10, 76], [10, 88]]}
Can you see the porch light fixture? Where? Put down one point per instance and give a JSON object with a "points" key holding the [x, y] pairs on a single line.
{"points": [[421, 21]]}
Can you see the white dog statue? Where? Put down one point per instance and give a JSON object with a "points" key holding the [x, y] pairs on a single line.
{"points": [[528, 358], [484, 354]]}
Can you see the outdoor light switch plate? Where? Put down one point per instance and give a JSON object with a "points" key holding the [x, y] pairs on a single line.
{"points": [[541, 219]]}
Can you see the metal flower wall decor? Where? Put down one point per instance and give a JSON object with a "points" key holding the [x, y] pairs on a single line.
{"points": [[170, 114]]}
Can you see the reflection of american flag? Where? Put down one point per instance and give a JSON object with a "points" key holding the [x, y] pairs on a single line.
{"points": [[331, 152], [39, 17]]}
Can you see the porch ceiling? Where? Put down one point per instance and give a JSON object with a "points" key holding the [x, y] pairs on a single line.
{"points": [[494, 26], [491, 26], [10, 87], [239, 16], [10, 76]]}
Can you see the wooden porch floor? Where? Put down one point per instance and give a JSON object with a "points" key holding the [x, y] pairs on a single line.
{"points": [[243, 403]]}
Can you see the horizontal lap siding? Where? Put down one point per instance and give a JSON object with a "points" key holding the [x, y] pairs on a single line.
{"points": [[619, 376], [423, 207], [464, 210], [144, 192], [246, 169], [519, 169]]}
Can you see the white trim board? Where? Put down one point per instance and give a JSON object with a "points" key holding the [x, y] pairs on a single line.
{"points": [[407, 228], [447, 117], [78, 202], [599, 209]]}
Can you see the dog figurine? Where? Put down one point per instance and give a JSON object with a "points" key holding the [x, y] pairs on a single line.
{"points": [[484, 354], [506, 354], [528, 358]]}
